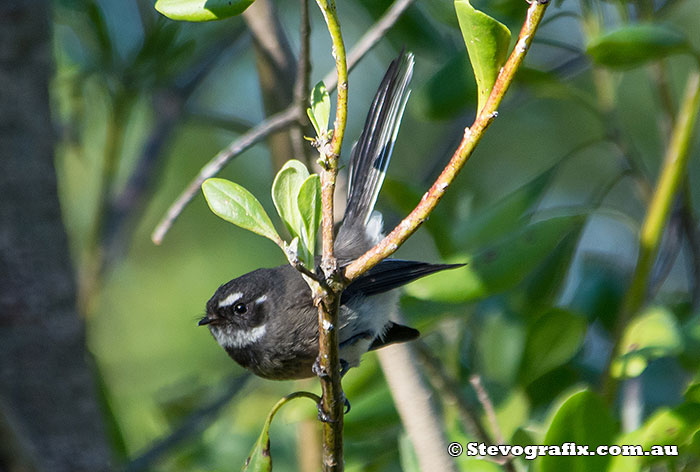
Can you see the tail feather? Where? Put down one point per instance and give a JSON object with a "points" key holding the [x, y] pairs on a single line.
{"points": [[372, 152]]}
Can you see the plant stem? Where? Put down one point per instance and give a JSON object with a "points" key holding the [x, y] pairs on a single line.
{"points": [[472, 136], [301, 85], [327, 296], [331, 153], [675, 163], [370, 38], [341, 111]]}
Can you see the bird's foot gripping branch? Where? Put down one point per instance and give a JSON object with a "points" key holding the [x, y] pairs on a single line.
{"points": [[316, 322]]}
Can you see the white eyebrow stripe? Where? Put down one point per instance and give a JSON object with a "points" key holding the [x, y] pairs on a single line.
{"points": [[230, 300], [260, 300], [240, 338]]}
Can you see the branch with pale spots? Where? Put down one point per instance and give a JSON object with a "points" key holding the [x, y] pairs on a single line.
{"points": [[472, 137]]}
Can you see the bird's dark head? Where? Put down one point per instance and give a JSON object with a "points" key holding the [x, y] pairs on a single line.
{"points": [[237, 314]]}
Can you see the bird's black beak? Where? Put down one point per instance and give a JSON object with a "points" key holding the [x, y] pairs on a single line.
{"points": [[204, 321]]}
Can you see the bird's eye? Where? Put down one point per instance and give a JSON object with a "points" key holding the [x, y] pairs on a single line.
{"points": [[240, 308]]}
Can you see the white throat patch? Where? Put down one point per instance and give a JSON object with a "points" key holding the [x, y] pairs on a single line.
{"points": [[238, 338]]}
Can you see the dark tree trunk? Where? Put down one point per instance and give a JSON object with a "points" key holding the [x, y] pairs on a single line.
{"points": [[49, 417]]}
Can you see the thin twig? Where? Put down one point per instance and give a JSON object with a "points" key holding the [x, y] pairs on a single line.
{"points": [[330, 154], [472, 136], [244, 142], [450, 390], [486, 404], [370, 39]]}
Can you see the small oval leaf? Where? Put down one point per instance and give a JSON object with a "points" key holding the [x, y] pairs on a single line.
{"points": [[552, 340], [504, 216], [201, 10], [633, 45], [487, 42], [320, 110], [582, 419], [309, 203], [285, 190], [237, 205], [651, 335]]}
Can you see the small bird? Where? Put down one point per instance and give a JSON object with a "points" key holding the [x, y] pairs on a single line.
{"points": [[266, 320]]}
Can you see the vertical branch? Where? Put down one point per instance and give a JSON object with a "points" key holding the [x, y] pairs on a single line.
{"points": [[332, 397], [308, 433], [331, 152], [276, 71], [301, 84], [674, 167], [327, 298]]}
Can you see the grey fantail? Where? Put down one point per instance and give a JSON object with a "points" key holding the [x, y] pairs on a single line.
{"points": [[266, 320]]}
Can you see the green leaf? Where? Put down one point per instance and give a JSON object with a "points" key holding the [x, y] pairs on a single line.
{"points": [[309, 203], [583, 419], [449, 92], [512, 413], [633, 45], [285, 191], [237, 205], [692, 393], [546, 283], [504, 216], [675, 427], [552, 340], [201, 10], [487, 42], [320, 110], [654, 333], [507, 263], [500, 345], [499, 267], [600, 290]]}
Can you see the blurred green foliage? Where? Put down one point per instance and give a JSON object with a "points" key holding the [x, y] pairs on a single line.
{"points": [[546, 214]]}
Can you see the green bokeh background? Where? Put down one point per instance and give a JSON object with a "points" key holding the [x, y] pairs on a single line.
{"points": [[158, 367]]}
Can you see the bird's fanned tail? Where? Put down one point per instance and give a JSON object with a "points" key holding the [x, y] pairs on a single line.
{"points": [[372, 152]]}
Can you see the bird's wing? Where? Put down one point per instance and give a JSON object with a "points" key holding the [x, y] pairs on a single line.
{"points": [[390, 274]]}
